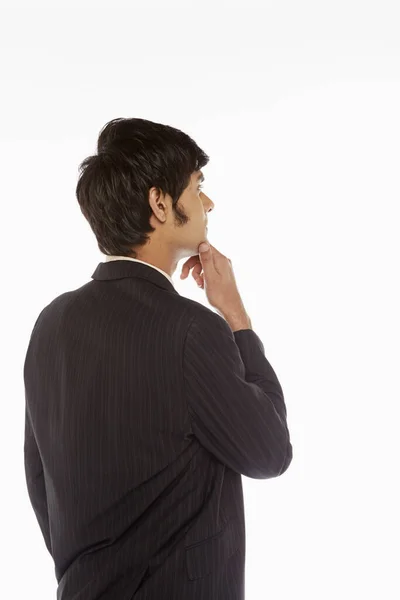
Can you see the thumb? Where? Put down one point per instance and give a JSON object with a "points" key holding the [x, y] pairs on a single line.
{"points": [[204, 248], [205, 256]]}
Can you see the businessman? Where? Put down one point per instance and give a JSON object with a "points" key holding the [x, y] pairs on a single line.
{"points": [[144, 408]]}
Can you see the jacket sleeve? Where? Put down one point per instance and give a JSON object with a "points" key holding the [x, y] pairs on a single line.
{"points": [[235, 401], [35, 480]]}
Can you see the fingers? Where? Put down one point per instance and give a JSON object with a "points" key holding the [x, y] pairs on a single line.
{"points": [[196, 274], [197, 270], [189, 264]]}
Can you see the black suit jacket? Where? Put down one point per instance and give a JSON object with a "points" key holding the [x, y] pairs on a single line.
{"points": [[143, 410]]}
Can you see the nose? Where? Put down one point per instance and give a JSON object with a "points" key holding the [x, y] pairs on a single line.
{"points": [[209, 205]]}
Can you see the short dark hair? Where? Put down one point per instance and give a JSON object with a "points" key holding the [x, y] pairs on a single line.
{"points": [[134, 155]]}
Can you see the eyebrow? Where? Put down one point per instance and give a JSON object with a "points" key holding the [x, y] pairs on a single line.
{"points": [[200, 177]]}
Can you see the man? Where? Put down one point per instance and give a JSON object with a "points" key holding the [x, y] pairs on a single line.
{"points": [[143, 407]]}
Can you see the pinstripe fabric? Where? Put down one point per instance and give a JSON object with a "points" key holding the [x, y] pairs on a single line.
{"points": [[143, 410]]}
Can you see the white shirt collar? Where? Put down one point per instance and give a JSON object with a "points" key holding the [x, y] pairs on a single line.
{"points": [[108, 258]]}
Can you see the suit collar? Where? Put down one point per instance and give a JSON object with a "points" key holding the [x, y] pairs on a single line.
{"points": [[119, 269], [118, 257]]}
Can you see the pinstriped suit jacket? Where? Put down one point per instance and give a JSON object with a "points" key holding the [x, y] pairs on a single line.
{"points": [[143, 410]]}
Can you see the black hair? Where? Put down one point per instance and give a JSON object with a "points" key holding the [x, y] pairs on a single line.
{"points": [[134, 155]]}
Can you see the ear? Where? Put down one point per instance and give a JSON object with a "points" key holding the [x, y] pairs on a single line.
{"points": [[158, 204]]}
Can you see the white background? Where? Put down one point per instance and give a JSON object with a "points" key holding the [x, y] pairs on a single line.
{"points": [[297, 105]]}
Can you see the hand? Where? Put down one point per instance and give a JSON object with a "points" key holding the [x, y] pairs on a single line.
{"points": [[213, 272]]}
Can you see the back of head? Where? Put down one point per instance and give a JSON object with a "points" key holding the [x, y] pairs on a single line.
{"points": [[133, 155]]}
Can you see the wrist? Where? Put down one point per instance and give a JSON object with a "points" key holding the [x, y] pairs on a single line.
{"points": [[238, 321]]}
